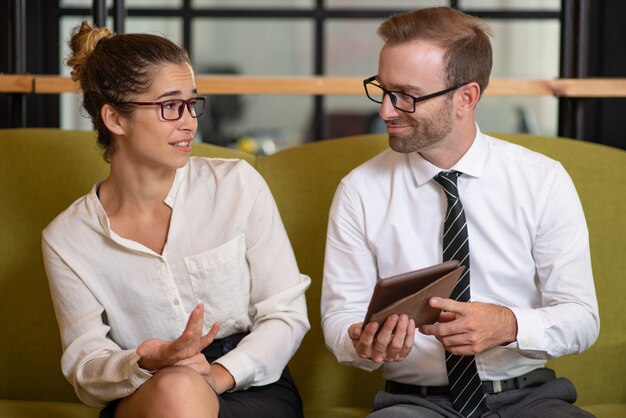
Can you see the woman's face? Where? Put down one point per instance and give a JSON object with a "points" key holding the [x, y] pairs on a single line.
{"points": [[151, 141]]}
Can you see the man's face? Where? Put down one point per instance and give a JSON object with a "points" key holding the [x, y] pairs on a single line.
{"points": [[416, 69]]}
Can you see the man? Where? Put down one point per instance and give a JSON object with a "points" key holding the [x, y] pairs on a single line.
{"points": [[446, 191]]}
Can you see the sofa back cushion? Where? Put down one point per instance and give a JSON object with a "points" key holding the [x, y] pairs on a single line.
{"points": [[41, 173]]}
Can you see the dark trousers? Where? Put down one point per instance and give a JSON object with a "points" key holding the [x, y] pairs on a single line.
{"points": [[277, 400], [551, 399]]}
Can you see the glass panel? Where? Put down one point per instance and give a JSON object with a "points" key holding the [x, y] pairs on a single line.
{"points": [[153, 4], [525, 49], [387, 4], [260, 124], [170, 28], [351, 115], [280, 47], [352, 47], [511, 4], [535, 115], [254, 3], [71, 117], [253, 46]]}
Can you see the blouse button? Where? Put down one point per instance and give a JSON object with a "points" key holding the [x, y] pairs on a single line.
{"points": [[176, 302]]}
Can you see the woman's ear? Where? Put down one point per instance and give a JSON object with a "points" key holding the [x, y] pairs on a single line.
{"points": [[113, 120], [469, 94]]}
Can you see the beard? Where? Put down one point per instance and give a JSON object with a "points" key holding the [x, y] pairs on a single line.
{"points": [[424, 132]]}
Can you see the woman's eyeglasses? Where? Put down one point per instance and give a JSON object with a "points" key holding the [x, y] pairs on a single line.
{"points": [[173, 109]]}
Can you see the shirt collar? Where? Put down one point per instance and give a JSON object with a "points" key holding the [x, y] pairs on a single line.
{"points": [[471, 163], [181, 173]]}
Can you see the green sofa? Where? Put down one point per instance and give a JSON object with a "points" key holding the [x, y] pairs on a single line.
{"points": [[43, 170]]}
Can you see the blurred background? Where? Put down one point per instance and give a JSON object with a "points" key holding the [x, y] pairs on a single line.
{"points": [[316, 37]]}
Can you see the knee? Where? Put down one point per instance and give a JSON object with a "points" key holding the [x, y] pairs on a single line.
{"points": [[176, 391], [179, 381]]}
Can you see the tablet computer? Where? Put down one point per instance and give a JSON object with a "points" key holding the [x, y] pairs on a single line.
{"points": [[408, 293]]}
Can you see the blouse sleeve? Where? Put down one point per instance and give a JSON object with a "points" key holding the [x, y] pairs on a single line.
{"points": [[99, 369], [277, 301]]}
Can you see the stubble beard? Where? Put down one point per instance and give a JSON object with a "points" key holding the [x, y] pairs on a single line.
{"points": [[425, 132]]}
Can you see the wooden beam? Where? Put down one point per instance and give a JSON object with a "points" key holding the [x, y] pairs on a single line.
{"points": [[507, 87], [342, 86], [278, 85], [48, 84], [589, 87], [10, 83]]}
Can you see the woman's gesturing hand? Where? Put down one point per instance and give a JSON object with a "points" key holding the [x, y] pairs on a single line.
{"points": [[156, 353]]}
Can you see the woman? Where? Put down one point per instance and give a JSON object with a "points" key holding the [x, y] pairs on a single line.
{"points": [[168, 246]]}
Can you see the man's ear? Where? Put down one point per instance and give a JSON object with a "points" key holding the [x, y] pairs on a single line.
{"points": [[469, 95], [113, 120]]}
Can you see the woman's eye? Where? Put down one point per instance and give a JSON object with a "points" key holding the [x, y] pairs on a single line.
{"points": [[169, 105]]}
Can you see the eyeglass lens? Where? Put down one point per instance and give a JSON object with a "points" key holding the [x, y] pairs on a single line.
{"points": [[174, 109], [399, 100]]}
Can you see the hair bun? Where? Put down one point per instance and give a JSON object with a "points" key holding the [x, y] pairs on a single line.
{"points": [[83, 42]]}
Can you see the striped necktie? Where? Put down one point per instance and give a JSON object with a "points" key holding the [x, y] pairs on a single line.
{"points": [[468, 396]]}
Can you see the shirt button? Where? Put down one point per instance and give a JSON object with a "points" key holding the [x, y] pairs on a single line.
{"points": [[176, 302]]}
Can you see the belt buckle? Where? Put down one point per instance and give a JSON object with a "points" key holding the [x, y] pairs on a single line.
{"points": [[497, 386]]}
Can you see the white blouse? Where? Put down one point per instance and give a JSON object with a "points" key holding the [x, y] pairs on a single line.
{"points": [[226, 248]]}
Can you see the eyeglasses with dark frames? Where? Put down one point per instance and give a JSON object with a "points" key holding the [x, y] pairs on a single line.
{"points": [[400, 101], [173, 109]]}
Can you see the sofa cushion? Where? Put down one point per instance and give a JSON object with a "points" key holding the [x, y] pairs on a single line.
{"points": [[32, 409]]}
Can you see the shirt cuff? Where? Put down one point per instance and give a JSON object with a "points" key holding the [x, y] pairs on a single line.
{"points": [[349, 356], [138, 376], [530, 333], [241, 368]]}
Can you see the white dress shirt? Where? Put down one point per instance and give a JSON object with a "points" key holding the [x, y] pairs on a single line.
{"points": [[226, 248], [529, 251]]}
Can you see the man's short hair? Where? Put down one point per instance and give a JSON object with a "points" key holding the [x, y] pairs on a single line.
{"points": [[465, 39]]}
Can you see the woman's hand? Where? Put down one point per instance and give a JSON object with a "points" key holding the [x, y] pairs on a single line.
{"points": [[215, 374], [156, 354]]}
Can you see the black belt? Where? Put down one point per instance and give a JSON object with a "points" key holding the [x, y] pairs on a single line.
{"points": [[534, 378]]}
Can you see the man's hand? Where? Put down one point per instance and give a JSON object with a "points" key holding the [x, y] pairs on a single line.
{"points": [[156, 354], [471, 328], [392, 342]]}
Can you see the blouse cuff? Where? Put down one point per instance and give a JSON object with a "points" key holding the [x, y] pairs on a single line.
{"points": [[138, 376], [241, 368]]}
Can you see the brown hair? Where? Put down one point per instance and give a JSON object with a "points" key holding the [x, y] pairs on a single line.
{"points": [[464, 38], [112, 68]]}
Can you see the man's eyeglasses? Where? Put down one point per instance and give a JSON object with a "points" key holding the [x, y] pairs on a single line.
{"points": [[174, 109], [401, 101]]}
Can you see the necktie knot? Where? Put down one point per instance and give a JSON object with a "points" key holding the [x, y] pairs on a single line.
{"points": [[447, 180]]}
